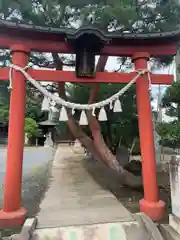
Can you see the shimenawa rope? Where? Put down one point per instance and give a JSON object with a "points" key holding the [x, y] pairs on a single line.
{"points": [[62, 102]]}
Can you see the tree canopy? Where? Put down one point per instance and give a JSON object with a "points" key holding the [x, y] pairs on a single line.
{"points": [[119, 15], [116, 15], [169, 131]]}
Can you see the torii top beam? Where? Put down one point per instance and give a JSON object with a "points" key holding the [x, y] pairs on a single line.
{"points": [[63, 40], [47, 39]]}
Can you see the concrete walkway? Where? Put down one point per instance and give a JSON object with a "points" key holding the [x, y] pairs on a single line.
{"points": [[74, 198], [76, 207]]}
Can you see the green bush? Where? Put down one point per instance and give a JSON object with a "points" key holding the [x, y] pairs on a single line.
{"points": [[31, 128]]}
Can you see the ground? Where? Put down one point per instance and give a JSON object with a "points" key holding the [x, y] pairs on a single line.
{"points": [[129, 197], [35, 184], [37, 163]]}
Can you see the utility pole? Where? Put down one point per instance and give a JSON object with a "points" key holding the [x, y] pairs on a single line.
{"points": [[159, 106], [177, 65], [158, 119]]}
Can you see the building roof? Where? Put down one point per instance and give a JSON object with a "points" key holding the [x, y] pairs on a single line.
{"points": [[71, 33], [47, 123]]}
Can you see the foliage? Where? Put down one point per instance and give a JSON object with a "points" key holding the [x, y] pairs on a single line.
{"points": [[62, 128], [31, 128], [4, 114], [33, 104], [4, 103], [123, 125], [145, 16], [170, 134], [171, 100], [172, 94], [169, 131]]}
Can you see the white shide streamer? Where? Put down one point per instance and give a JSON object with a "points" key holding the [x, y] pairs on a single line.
{"points": [[71, 105]]}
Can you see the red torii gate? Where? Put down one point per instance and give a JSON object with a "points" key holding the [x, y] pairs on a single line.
{"points": [[22, 39]]}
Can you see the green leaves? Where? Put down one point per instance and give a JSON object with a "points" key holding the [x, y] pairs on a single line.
{"points": [[172, 94], [4, 114], [170, 133], [119, 125], [31, 128], [115, 14], [33, 104]]}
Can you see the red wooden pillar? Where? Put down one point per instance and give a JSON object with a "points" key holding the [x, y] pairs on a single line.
{"points": [[12, 213], [150, 204]]}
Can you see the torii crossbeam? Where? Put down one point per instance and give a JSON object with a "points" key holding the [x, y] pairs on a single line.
{"points": [[23, 39], [101, 77]]}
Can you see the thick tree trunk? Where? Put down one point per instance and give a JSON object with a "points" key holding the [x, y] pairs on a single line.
{"points": [[97, 146], [108, 138], [77, 131], [108, 158]]}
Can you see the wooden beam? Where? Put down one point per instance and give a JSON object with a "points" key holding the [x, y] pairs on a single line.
{"points": [[36, 45], [101, 77], [129, 51], [45, 45]]}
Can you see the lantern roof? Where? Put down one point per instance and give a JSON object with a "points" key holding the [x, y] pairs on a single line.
{"points": [[47, 123]]}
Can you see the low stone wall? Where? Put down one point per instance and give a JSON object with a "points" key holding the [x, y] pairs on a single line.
{"points": [[165, 158], [162, 166]]}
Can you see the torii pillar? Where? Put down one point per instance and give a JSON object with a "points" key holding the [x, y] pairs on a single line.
{"points": [[12, 213], [150, 205]]}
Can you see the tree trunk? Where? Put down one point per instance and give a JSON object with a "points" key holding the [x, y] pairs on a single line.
{"points": [[77, 131], [97, 146], [108, 138], [108, 158]]}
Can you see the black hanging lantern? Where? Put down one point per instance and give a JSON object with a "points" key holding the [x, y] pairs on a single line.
{"points": [[85, 62], [87, 43]]}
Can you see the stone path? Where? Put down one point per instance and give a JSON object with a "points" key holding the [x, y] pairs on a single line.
{"points": [[74, 198]]}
